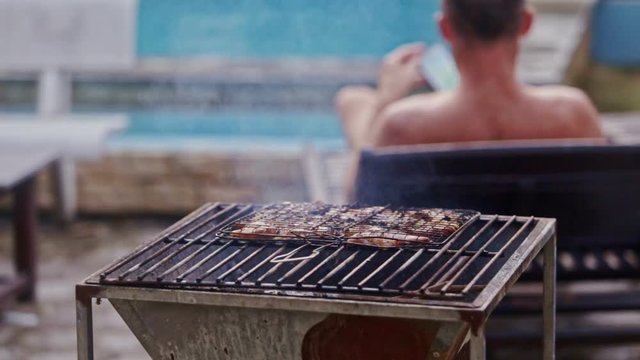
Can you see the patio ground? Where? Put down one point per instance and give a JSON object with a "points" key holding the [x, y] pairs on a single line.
{"points": [[47, 330]]}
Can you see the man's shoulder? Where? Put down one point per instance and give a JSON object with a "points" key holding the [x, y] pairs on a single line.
{"points": [[570, 97], [570, 105], [417, 119]]}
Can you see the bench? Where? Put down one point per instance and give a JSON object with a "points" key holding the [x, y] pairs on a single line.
{"points": [[593, 190], [18, 169]]}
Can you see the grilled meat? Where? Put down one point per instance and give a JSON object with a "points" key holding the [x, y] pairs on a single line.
{"points": [[372, 226]]}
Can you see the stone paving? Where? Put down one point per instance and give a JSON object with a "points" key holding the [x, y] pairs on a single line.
{"points": [[66, 257], [46, 331]]}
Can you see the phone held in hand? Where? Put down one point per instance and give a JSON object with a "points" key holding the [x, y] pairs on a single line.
{"points": [[439, 68]]}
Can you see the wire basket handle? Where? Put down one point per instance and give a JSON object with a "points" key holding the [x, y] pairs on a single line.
{"points": [[285, 258]]}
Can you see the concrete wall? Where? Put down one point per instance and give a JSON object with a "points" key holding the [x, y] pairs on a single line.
{"points": [[177, 183]]}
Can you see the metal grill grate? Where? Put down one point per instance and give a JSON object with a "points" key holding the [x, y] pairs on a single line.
{"points": [[193, 256]]}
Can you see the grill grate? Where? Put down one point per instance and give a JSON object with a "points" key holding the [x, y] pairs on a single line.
{"points": [[193, 256]]}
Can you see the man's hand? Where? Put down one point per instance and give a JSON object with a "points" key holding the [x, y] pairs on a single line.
{"points": [[400, 73]]}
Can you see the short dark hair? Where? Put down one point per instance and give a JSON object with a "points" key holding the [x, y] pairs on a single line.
{"points": [[486, 20]]}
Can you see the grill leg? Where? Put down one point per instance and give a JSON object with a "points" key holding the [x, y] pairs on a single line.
{"points": [[549, 311], [84, 326], [478, 346]]}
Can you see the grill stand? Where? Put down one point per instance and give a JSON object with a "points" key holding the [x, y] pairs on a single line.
{"points": [[85, 294], [477, 345], [84, 326], [549, 293], [477, 341]]}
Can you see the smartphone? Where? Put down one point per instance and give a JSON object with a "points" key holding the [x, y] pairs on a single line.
{"points": [[439, 68]]}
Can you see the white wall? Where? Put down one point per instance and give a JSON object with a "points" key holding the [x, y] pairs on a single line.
{"points": [[67, 34]]}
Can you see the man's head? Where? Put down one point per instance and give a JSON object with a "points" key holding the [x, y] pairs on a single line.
{"points": [[485, 21]]}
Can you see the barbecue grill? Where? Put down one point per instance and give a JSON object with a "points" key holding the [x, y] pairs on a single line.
{"points": [[198, 291]]}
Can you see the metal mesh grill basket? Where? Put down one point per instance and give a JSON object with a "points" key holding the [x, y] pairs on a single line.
{"points": [[329, 224]]}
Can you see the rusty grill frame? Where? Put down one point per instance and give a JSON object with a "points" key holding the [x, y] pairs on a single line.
{"points": [[539, 234]]}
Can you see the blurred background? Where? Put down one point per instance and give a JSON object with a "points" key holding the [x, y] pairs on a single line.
{"points": [[158, 106], [241, 78]]}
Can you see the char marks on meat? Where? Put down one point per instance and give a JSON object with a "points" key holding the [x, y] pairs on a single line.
{"points": [[372, 226]]}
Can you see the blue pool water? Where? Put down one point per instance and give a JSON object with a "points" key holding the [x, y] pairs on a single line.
{"points": [[240, 131], [275, 28], [229, 130]]}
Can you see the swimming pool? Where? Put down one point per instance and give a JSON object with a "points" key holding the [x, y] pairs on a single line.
{"points": [[227, 131], [282, 28], [230, 131]]}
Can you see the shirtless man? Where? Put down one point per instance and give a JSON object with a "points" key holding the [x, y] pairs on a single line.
{"points": [[489, 104]]}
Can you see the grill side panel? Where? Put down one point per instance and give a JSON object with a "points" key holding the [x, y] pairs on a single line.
{"points": [[185, 331]]}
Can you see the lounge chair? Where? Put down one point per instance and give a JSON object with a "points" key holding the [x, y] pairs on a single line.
{"points": [[593, 191]]}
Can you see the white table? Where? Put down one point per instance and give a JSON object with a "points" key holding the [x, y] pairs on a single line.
{"points": [[81, 137]]}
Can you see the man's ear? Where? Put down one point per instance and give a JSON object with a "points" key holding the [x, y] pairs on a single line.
{"points": [[528, 17], [445, 26]]}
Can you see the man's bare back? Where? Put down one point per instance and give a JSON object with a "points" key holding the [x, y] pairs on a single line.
{"points": [[533, 113]]}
